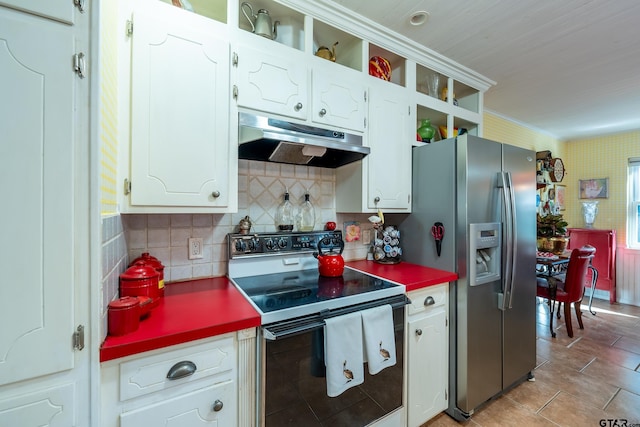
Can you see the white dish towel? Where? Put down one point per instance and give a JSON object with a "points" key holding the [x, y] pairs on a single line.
{"points": [[343, 353], [379, 338]]}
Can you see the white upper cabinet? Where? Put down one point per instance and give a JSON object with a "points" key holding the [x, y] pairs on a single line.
{"points": [[180, 123], [338, 99], [60, 10], [272, 79]]}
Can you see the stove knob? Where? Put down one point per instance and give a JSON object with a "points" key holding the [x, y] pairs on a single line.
{"points": [[240, 247], [269, 244], [282, 243], [252, 245]]}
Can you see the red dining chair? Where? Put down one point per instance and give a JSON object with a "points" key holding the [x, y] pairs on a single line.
{"points": [[568, 288]]}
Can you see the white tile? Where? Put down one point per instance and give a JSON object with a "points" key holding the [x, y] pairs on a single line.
{"points": [[158, 238], [179, 256], [202, 220], [181, 272], [272, 169], [181, 220], [180, 237], [159, 221], [137, 239], [202, 270], [134, 221]]}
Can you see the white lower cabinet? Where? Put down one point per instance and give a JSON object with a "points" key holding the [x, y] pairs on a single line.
{"points": [[427, 354], [194, 384]]}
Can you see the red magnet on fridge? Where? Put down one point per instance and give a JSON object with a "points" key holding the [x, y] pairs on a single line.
{"points": [[437, 231]]}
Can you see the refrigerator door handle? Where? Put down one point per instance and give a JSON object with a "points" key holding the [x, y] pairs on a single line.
{"points": [[514, 239], [504, 182]]}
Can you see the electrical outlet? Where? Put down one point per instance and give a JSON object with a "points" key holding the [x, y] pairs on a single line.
{"points": [[195, 247]]}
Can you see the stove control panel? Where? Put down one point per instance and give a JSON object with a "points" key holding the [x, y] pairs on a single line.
{"points": [[262, 244]]}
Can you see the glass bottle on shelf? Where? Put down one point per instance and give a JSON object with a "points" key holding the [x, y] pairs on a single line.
{"points": [[285, 214], [307, 215]]}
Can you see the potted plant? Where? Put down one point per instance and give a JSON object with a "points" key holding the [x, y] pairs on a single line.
{"points": [[551, 230]]}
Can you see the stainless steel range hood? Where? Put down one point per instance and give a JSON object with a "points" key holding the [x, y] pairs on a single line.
{"points": [[280, 141]]}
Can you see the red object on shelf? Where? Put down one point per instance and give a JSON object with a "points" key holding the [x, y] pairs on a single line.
{"points": [[605, 258], [124, 315], [380, 67]]}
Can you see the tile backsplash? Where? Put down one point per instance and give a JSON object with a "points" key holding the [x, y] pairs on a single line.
{"points": [[261, 186]]}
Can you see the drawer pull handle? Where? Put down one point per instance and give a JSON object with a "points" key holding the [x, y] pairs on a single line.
{"points": [[217, 405], [418, 332], [181, 370], [429, 301]]}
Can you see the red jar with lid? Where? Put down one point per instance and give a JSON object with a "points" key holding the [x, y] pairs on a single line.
{"points": [[154, 262], [140, 280], [124, 315]]}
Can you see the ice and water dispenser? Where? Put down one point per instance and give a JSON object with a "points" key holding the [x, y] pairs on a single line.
{"points": [[485, 251]]}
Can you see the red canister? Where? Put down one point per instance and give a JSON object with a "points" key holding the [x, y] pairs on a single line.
{"points": [[140, 280], [154, 262], [124, 315]]}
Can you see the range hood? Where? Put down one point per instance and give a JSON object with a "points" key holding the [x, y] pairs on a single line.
{"points": [[280, 141]]}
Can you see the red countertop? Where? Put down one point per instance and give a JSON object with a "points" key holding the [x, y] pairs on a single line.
{"points": [[189, 311], [413, 276]]}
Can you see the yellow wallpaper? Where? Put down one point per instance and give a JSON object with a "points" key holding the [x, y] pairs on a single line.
{"points": [[501, 129], [598, 157], [601, 157], [108, 109]]}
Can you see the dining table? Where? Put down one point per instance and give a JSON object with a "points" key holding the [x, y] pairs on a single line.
{"points": [[549, 265]]}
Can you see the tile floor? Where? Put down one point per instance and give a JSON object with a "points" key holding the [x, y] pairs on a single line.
{"points": [[580, 381]]}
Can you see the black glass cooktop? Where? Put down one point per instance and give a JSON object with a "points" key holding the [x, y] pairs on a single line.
{"points": [[306, 292]]}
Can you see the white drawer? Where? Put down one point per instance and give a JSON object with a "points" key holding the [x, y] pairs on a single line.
{"points": [[210, 406], [149, 374], [427, 298]]}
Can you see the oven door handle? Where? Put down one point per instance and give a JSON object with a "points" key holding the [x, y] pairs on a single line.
{"points": [[288, 328]]}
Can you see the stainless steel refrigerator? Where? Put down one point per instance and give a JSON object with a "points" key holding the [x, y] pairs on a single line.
{"points": [[484, 194]]}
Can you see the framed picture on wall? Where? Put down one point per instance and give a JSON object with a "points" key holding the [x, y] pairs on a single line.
{"points": [[596, 188], [560, 196]]}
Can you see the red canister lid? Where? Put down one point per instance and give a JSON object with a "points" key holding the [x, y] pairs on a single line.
{"points": [[124, 303], [139, 270]]}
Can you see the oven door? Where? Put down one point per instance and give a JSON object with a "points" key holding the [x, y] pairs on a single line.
{"points": [[292, 384]]}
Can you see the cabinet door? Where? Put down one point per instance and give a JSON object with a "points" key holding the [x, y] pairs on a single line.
{"points": [[61, 10], [180, 110], [427, 367], [389, 164], [272, 82], [337, 99], [37, 227], [211, 406]]}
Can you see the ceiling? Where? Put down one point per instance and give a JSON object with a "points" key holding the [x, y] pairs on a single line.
{"points": [[569, 68]]}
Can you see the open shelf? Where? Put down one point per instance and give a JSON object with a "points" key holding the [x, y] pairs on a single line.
{"points": [[348, 51], [289, 31], [398, 64], [466, 97], [438, 118]]}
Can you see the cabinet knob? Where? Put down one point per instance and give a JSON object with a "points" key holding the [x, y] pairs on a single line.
{"points": [[181, 370], [429, 301], [298, 106], [323, 112], [215, 194], [376, 200], [217, 405], [418, 332]]}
